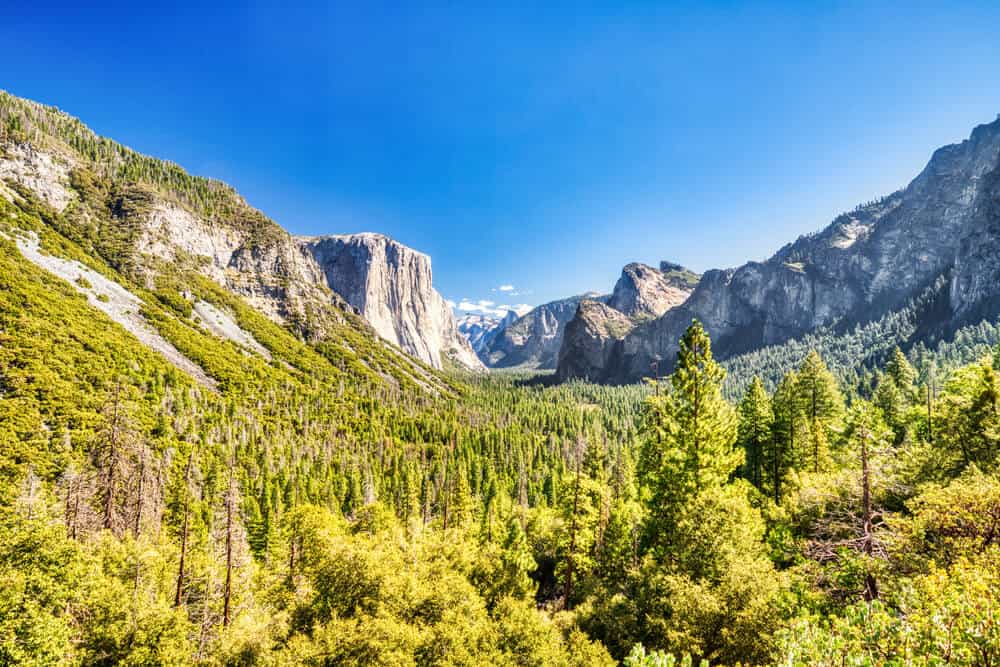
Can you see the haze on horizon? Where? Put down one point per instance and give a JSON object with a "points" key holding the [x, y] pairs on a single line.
{"points": [[530, 153]]}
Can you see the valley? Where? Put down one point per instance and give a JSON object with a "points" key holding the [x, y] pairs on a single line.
{"points": [[225, 444]]}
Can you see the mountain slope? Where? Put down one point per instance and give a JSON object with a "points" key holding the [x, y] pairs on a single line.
{"points": [[148, 218], [865, 264], [533, 340], [641, 293], [480, 330]]}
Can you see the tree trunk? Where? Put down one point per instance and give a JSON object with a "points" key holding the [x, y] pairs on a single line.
{"points": [[184, 530], [142, 484], [229, 550], [871, 587], [570, 558], [930, 415], [777, 472], [109, 477]]}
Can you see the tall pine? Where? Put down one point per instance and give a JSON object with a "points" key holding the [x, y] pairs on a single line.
{"points": [[689, 434], [822, 404], [756, 421]]}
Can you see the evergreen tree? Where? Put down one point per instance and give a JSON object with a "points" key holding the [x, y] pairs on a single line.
{"points": [[755, 431], [690, 433], [971, 409], [892, 402], [821, 402], [790, 434], [902, 373]]}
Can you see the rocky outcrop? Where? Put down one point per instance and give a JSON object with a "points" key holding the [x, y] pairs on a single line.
{"points": [[310, 284], [288, 278], [865, 264], [391, 287], [641, 293], [587, 340], [644, 293], [480, 330], [534, 340]]}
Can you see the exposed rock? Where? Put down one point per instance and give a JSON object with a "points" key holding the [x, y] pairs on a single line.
{"points": [[47, 175], [216, 232], [586, 341], [641, 293], [222, 324], [480, 330], [113, 300], [864, 265], [290, 278], [390, 285], [644, 293], [533, 340]]}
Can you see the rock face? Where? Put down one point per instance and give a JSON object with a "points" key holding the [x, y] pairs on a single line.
{"points": [[533, 340], [641, 293], [391, 287], [588, 337], [644, 293], [309, 284], [387, 283], [481, 330], [864, 265]]}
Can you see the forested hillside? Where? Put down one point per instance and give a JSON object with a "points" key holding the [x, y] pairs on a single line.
{"points": [[184, 480]]}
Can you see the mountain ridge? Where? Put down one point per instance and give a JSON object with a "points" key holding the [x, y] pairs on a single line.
{"points": [[864, 264], [149, 217]]}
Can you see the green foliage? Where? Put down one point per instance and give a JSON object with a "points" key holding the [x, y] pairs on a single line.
{"points": [[755, 432], [689, 432], [944, 617], [335, 502]]}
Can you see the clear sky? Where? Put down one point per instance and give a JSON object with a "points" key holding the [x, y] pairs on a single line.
{"points": [[540, 149]]}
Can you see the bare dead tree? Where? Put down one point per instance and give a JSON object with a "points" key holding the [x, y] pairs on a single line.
{"points": [[930, 407], [77, 488], [30, 498], [148, 488], [578, 451], [867, 537], [114, 458], [230, 512], [852, 523], [185, 528]]}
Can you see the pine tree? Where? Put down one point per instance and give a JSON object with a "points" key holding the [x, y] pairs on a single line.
{"points": [[902, 373], [890, 400], [821, 402], [579, 452], [972, 411], [755, 426], [690, 433], [789, 433], [114, 457]]}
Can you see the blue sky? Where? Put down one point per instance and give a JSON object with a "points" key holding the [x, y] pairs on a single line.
{"points": [[540, 149]]}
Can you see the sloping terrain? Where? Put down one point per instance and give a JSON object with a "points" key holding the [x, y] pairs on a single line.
{"points": [[944, 226], [148, 218]]}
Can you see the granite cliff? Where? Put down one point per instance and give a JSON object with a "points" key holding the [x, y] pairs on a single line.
{"points": [[945, 225], [533, 340], [149, 218]]}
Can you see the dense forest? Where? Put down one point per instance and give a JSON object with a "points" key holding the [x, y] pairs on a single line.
{"points": [[832, 501]]}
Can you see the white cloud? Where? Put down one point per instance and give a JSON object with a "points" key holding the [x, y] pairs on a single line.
{"points": [[451, 304], [520, 309], [506, 288], [481, 306], [487, 307]]}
